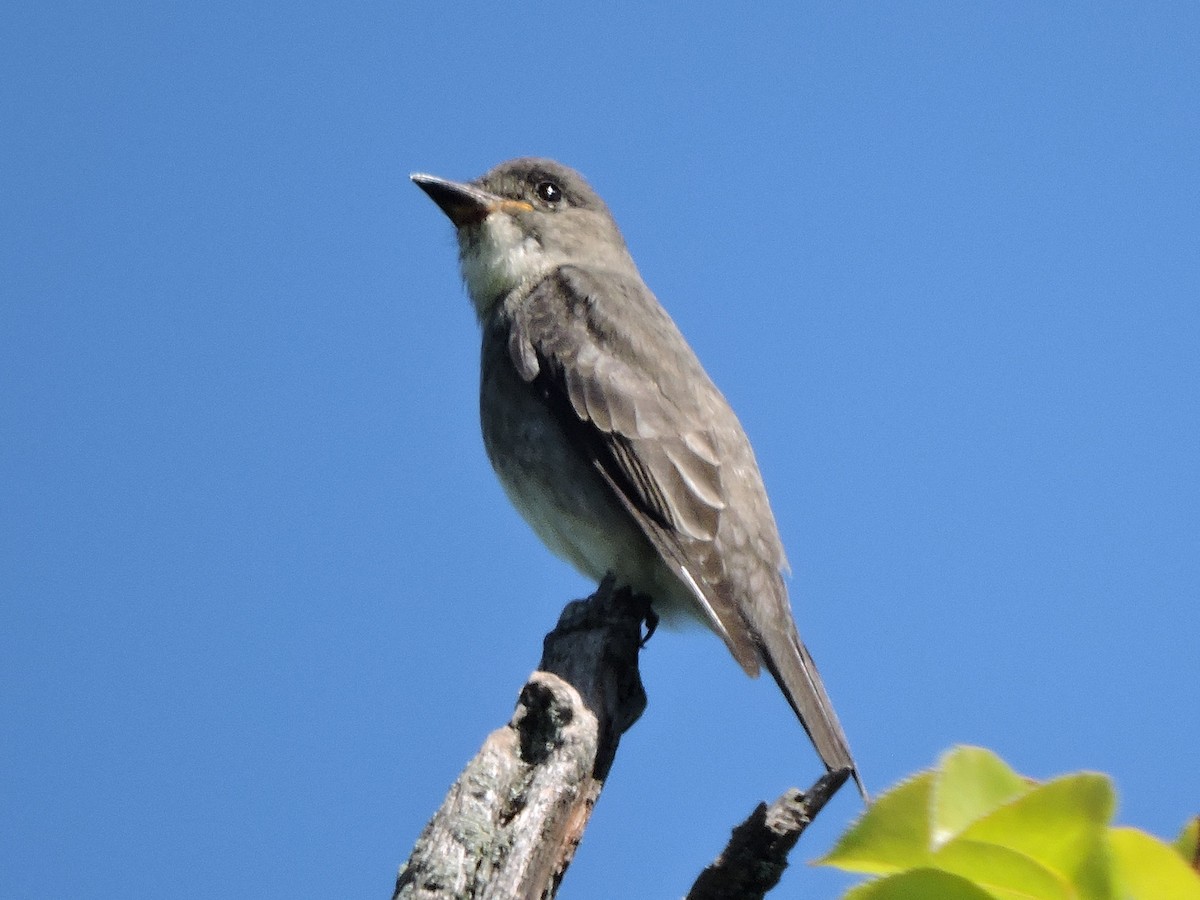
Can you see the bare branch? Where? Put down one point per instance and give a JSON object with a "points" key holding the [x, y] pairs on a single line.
{"points": [[756, 856], [509, 826]]}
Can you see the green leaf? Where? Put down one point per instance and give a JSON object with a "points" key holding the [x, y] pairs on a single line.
{"points": [[893, 834], [1061, 825], [1148, 869], [918, 884], [1002, 872], [1188, 843], [970, 783], [974, 829]]}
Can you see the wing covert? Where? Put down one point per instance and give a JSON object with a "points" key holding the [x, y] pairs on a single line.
{"points": [[649, 431]]}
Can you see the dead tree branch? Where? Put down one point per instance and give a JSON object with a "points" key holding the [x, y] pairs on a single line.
{"points": [[510, 824], [754, 859]]}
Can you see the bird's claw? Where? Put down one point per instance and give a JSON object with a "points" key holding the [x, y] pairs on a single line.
{"points": [[651, 620]]}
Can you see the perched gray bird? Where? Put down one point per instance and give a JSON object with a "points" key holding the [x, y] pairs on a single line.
{"points": [[608, 435]]}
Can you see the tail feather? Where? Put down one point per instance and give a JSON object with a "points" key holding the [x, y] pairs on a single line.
{"points": [[796, 674]]}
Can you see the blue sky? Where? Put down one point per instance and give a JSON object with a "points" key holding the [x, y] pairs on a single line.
{"points": [[261, 595]]}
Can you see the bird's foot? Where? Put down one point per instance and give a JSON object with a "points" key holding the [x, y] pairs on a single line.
{"points": [[604, 603], [650, 617]]}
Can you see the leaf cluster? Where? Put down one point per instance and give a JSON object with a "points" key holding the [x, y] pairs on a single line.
{"points": [[973, 829]]}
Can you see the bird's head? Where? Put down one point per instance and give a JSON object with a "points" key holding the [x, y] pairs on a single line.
{"points": [[520, 221]]}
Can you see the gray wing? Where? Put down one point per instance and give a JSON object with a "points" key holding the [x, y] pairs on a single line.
{"points": [[626, 386]]}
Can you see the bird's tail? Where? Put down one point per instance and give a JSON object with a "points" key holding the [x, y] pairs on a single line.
{"points": [[796, 673]]}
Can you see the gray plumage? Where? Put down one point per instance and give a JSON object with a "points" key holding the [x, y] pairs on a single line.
{"points": [[606, 432]]}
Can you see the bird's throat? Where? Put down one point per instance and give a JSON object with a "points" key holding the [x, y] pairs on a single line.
{"points": [[497, 257]]}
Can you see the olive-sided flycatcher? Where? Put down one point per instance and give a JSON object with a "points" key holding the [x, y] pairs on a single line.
{"points": [[606, 432]]}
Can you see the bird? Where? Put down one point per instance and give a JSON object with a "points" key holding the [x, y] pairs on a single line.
{"points": [[607, 434]]}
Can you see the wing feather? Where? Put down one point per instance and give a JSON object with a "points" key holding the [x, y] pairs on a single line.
{"points": [[647, 428], [665, 441]]}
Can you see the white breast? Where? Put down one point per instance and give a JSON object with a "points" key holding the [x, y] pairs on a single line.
{"points": [[497, 256]]}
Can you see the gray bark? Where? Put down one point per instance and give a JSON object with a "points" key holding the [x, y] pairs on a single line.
{"points": [[754, 859], [510, 824]]}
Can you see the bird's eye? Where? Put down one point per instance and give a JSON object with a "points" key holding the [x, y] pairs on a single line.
{"points": [[549, 192]]}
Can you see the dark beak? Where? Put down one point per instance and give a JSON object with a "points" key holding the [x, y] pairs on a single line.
{"points": [[463, 204]]}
